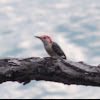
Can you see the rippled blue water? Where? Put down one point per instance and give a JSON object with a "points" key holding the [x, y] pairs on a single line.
{"points": [[74, 24]]}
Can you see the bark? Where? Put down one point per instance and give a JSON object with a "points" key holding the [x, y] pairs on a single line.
{"points": [[49, 69]]}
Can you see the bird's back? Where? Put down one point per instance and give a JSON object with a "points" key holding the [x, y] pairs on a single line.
{"points": [[57, 49]]}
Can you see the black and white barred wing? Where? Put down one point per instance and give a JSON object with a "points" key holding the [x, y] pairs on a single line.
{"points": [[58, 50]]}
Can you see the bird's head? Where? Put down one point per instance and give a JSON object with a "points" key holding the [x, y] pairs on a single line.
{"points": [[44, 39]]}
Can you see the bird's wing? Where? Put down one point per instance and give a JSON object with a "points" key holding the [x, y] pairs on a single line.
{"points": [[58, 50]]}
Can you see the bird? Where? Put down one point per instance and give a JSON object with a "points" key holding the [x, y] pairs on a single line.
{"points": [[52, 48]]}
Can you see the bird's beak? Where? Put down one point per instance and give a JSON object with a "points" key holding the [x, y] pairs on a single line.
{"points": [[37, 37]]}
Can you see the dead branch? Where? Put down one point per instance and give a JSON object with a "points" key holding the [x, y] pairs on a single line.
{"points": [[49, 69]]}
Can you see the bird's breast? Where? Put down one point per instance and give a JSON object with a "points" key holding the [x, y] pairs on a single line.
{"points": [[50, 50]]}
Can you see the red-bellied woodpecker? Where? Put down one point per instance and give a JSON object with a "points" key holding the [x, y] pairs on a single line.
{"points": [[52, 48]]}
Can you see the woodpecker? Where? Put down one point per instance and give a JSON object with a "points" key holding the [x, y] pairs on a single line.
{"points": [[52, 48]]}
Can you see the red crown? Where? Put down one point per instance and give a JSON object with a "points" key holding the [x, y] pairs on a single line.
{"points": [[47, 37]]}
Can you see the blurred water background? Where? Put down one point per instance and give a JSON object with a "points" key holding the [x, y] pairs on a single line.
{"points": [[74, 24]]}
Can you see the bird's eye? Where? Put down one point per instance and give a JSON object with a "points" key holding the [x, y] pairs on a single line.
{"points": [[44, 37]]}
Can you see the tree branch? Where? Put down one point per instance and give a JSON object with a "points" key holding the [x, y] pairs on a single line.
{"points": [[49, 69]]}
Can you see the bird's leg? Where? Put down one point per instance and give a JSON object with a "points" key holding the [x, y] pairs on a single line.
{"points": [[54, 57]]}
